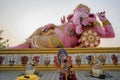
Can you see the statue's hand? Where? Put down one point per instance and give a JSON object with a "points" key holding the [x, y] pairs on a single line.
{"points": [[101, 16], [47, 27]]}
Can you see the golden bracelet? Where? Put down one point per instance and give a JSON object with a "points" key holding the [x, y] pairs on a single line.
{"points": [[105, 23], [96, 24]]}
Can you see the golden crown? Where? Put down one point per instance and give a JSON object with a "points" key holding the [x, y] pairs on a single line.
{"points": [[82, 5]]}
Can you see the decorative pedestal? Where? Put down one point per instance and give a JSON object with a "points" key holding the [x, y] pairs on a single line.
{"points": [[109, 57]]}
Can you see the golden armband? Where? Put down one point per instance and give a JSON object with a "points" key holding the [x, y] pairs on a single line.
{"points": [[96, 24], [105, 23]]}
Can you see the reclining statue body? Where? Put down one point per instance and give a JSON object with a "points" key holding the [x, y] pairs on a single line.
{"points": [[68, 34]]}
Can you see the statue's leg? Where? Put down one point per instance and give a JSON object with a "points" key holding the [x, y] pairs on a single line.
{"points": [[44, 41]]}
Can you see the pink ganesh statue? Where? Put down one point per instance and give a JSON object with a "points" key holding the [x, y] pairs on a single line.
{"points": [[82, 29]]}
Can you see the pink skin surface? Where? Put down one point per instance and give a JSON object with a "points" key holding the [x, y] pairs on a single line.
{"points": [[82, 13], [108, 31], [103, 31], [75, 18], [67, 35], [74, 27]]}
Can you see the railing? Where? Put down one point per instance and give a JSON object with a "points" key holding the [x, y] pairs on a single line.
{"points": [[15, 55]]}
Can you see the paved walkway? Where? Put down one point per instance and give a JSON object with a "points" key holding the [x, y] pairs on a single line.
{"points": [[53, 75]]}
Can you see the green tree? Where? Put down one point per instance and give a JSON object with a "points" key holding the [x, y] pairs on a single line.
{"points": [[3, 43]]}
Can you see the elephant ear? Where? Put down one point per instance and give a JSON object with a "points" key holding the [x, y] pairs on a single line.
{"points": [[90, 38]]}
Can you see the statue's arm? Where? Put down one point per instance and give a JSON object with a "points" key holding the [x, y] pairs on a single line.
{"points": [[43, 29], [105, 30]]}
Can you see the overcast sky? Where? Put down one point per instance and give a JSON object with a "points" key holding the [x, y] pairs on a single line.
{"points": [[20, 18]]}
